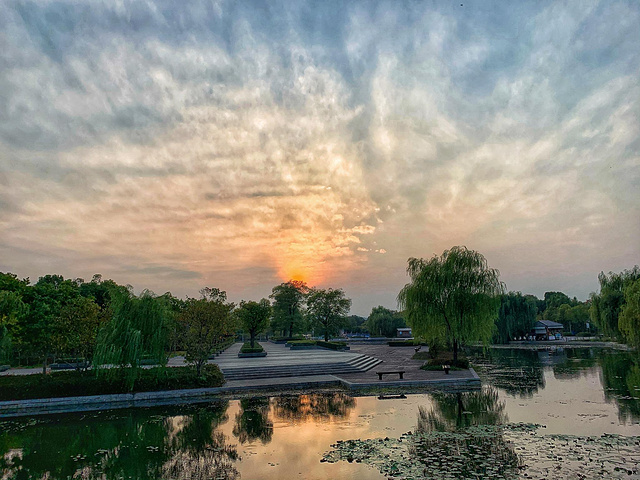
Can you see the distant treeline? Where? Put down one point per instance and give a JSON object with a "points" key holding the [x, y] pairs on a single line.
{"points": [[101, 322]]}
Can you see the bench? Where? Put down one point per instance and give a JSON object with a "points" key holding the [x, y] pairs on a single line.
{"points": [[446, 369], [399, 372]]}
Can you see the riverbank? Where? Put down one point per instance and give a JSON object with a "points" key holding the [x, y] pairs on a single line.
{"points": [[456, 381], [281, 371]]}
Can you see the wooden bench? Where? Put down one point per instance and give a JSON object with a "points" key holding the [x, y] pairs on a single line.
{"points": [[399, 372]]}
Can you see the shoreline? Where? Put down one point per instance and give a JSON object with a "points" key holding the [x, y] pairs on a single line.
{"points": [[47, 406]]}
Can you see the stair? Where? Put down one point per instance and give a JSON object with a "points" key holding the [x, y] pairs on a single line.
{"points": [[358, 364]]}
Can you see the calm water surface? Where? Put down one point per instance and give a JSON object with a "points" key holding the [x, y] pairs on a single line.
{"points": [[580, 392]]}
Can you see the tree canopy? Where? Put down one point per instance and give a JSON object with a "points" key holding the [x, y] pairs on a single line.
{"points": [[606, 305], [254, 317], [288, 307], [384, 322], [327, 310], [206, 321], [516, 316], [629, 320], [454, 296]]}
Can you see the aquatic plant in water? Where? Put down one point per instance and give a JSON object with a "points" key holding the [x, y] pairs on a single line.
{"points": [[495, 451]]}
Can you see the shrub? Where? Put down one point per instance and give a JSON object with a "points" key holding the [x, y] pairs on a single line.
{"points": [[287, 339], [246, 348], [72, 383], [332, 345], [302, 343]]}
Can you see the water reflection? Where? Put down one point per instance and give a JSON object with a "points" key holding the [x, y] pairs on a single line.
{"points": [[252, 422], [517, 371], [130, 444], [520, 372], [455, 411], [445, 436], [319, 407], [621, 382]]}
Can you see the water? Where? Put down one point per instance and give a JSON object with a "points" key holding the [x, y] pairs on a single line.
{"points": [[574, 394]]}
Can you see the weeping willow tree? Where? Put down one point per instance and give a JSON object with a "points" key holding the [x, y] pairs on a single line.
{"points": [[453, 297], [137, 330]]}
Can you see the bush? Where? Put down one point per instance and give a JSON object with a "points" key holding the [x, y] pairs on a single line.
{"points": [[246, 348], [332, 345], [302, 343], [287, 339], [72, 383]]}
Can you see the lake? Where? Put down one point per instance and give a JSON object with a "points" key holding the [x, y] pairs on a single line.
{"points": [[548, 413]]}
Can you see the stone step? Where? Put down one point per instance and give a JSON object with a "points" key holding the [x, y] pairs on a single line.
{"points": [[359, 364], [275, 370]]}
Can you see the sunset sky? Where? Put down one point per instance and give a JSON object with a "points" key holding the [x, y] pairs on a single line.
{"points": [[173, 145]]}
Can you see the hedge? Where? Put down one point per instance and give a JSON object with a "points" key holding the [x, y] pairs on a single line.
{"points": [[287, 339], [246, 348], [302, 343], [72, 384], [332, 345]]}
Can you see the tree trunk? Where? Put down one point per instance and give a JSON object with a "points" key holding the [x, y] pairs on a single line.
{"points": [[326, 336], [44, 364], [253, 337], [291, 330], [455, 351]]}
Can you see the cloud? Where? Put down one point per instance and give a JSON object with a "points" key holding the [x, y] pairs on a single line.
{"points": [[243, 144]]}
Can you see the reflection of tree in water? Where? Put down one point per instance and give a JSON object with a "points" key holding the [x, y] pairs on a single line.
{"points": [[574, 363], [134, 444], [621, 382], [454, 434], [200, 450], [454, 411], [517, 371], [317, 406], [253, 423]]}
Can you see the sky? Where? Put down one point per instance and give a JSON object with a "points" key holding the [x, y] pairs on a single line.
{"points": [[176, 145]]}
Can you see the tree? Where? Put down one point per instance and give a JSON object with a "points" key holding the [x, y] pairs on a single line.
{"points": [[13, 311], [327, 310], [206, 321], [629, 320], [454, 296], [138, 328], [356, 324], [384, 322], [516, 316], [288, 306], [254, 317], [606, 306], [75, 328]]}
